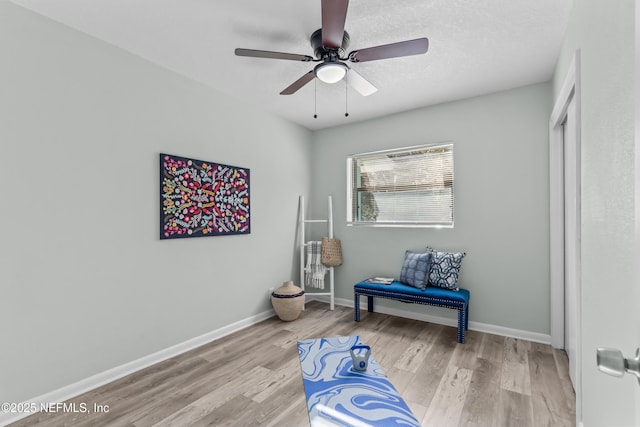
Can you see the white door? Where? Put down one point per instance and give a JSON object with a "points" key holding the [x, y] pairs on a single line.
{"points": [[634, 317], [637, 184], [627, 334], [571, 237]]}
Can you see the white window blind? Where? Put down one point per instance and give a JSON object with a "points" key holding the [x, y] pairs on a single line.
{"points": [[405, 187]]}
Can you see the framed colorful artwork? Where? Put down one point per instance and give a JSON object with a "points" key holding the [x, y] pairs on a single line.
{"points": [[199, 198]]}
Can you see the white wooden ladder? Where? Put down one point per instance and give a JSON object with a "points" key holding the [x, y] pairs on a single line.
{"points": [[303, 245]]}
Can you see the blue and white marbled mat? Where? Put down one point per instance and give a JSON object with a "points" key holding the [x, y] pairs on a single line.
{"points": [[337, 395]]}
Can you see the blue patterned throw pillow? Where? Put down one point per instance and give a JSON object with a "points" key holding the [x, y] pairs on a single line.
{"points": [[445, 269], [415, 269]]}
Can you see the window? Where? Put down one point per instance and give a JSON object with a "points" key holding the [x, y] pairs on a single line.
{"points": [[404, 187]]}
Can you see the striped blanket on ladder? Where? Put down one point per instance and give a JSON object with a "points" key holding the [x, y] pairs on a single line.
{"points": [[314, 270]]}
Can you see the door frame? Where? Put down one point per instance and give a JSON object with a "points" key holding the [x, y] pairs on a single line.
{"points": [[636, 65], [569, 91]]}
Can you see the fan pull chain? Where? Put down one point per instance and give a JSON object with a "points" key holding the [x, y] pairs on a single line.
{"points": [[315, 99], [346, 96]]}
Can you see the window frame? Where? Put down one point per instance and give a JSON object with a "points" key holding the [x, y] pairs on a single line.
{"points": [[352, 177]]}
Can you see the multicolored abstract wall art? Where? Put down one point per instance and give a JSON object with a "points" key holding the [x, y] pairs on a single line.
{"points": [[199, 198]]}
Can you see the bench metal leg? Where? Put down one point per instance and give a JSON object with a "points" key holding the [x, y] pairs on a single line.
{"points": [[466, 317], [356, 307], [370, 304], [461, 325]]}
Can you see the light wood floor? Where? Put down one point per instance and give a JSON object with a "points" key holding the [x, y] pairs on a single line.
{"points": [[253, 378]]}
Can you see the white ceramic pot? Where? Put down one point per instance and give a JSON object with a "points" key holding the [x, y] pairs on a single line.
{"points": [[288, 301]]}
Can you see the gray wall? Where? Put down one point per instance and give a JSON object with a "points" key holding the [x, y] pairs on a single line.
{"points": [[88, 286], [86, 283], [501, 201], [604, 33]]}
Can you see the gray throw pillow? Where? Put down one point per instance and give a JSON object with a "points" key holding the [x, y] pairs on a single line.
{"points": [[415, 269]]}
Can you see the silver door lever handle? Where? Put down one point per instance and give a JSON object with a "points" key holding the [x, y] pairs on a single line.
{"points": [[612, 362]]}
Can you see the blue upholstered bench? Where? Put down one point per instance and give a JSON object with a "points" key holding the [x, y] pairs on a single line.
{"points": [[440, 297]]}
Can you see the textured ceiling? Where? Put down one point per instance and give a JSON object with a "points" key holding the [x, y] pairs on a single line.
{"points": [[476, 47]]}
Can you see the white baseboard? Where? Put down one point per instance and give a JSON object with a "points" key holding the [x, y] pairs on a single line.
{"points": [[475, 326], [87, 384]]}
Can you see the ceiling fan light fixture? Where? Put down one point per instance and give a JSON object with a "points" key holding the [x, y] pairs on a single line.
{"points": [[330, 72]]}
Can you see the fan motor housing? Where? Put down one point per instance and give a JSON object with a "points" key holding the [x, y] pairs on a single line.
{"points": [[322, 52]]}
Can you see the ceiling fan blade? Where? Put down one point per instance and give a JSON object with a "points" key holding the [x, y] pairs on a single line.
{"points": [[360, 84], [295, 86], [334, 15], [272, 55], [393, 50]]}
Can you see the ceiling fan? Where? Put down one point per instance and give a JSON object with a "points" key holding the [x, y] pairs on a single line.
{"points": [[329, 44]]}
